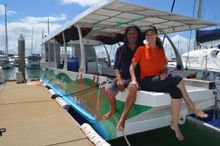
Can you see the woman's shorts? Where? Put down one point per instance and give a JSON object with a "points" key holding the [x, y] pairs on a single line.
{"points": [[168, 85]]}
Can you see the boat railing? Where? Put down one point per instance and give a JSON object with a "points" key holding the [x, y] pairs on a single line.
{"points": [[49, 64]]}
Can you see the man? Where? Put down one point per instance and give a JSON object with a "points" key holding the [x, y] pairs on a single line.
{"points": [[124, 55]]}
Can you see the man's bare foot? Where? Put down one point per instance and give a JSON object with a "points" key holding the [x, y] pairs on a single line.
{"points": [[108, 115], [178, 133], [121, 124], [199, 113]]}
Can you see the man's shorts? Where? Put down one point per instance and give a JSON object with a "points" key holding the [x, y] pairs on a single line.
{"points": [[114, 88]]}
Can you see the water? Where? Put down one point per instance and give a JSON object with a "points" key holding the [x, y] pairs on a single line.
{"points": [[193, 136], [30, 74], [158, 137]]}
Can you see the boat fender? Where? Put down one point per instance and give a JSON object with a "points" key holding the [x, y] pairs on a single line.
{"points": [[93, 136], [62, 103], [47, 86], [44, 84], [53, 94], [182, 119]]}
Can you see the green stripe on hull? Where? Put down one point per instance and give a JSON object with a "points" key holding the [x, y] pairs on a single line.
{"points": [[91, 98], [111, 123]]}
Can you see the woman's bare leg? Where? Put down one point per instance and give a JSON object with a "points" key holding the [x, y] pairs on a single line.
{"points": [[175, 111], [191, 106]]}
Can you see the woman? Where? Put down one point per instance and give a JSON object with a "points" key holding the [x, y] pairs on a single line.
{"points": [[155, 77]]}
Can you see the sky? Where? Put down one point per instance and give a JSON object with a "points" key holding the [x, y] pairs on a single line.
{"points": [[25, 15]]}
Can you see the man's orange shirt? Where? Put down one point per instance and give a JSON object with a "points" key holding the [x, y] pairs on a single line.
{"points": [[151, 60]]}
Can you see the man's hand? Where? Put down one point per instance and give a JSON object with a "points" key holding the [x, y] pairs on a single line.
{"points": [[120, 84], [134, 82]]}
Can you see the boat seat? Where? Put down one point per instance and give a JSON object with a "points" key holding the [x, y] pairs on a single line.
{"points": [[147, 98], [156, 99]]}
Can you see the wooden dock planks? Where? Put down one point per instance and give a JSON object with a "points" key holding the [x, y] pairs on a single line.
{"points": [[32, 118]]}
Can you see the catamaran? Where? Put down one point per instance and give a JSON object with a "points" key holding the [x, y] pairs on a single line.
{"points": [[72, 73]]}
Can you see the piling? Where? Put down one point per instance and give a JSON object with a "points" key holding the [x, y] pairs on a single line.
{"points": [[20, 75]]}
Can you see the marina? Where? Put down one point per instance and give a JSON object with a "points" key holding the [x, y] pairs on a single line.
{"points": [[59, 97]]}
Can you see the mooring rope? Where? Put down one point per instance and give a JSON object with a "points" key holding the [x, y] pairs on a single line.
{"points": [[2, 130], [124, 135], [2, 83], [217, 102], [83, 90]]}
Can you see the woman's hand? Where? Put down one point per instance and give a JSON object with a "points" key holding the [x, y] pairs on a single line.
{"points": [[163, 76]]}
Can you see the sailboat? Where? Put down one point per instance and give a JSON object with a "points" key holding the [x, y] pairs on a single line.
{"points": [[33, 60], [81, 85], [203, 63], [205, 58], [4, 61]]}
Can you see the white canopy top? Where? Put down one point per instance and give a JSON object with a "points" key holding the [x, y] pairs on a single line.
{"points": [[107, 19]]}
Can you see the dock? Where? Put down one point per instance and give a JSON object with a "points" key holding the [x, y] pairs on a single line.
{"points": [[32, 118]]}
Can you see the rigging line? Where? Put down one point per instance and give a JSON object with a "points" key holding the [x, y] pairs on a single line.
{"points": [[83, 90], [172, 6], [190, 37], [96, 86], [217, 101], [171, 10], [98, 92], [216, 63]]}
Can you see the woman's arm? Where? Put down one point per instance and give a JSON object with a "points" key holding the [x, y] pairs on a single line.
{"points": [[164, 74]]}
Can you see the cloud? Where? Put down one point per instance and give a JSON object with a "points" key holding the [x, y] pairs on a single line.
{"points": [[182, 44], [33, 20], [24, 26], [82, 3], [2, 11]]}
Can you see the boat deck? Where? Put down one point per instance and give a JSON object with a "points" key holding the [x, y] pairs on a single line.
{"points": [[31, 117]]}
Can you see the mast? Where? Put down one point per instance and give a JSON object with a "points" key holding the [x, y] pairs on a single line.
{"points": [[32, 41], [199, 15], [199, 9], [6, 32], [48, 25]]}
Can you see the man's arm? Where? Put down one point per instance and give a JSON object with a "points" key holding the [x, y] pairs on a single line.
{"points": [[132, 73], [117, 74], [119, 80]]}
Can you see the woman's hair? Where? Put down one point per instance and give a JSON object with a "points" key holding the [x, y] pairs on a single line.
{"points": [[158, 40], [139, 40], [159, 43]]}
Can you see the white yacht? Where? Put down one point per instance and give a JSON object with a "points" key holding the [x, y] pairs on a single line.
{"points": [[33, 61]]}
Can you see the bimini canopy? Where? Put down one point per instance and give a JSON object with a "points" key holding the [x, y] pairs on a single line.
{"points": [[107, 21]]}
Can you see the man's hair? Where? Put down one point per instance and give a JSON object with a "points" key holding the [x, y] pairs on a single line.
{"points": [[139, 40]]}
